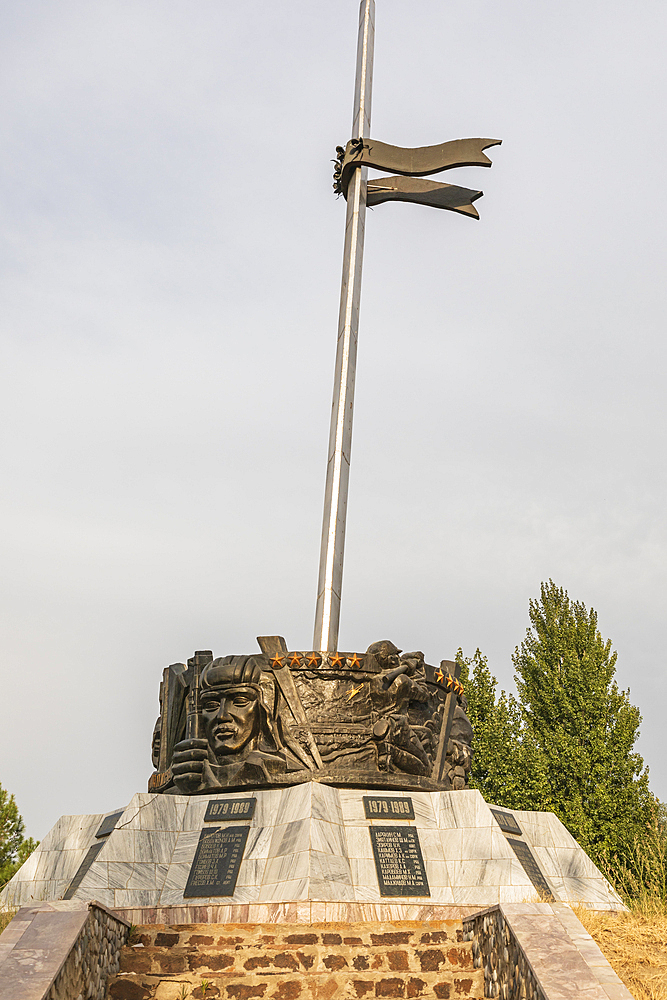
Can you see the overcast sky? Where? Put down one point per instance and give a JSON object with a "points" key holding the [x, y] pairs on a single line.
{"points": [[170, 268]]}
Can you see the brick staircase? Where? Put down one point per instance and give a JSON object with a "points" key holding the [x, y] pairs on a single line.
{"points": [[364, 961]]}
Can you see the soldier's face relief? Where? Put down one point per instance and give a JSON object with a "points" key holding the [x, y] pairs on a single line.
{"points": [[231, 718]]}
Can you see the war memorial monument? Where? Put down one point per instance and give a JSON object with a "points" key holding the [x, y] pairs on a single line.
{"points": [[308, 828]]}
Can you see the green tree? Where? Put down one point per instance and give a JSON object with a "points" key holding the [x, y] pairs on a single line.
{"points": [[584, 726], [14, 847], [508, 767]]}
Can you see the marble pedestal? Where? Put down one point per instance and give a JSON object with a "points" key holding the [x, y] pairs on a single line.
{"points": [[307, 844]]}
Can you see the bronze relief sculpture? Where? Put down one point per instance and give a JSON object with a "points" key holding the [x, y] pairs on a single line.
{"points": [[379, 719]]}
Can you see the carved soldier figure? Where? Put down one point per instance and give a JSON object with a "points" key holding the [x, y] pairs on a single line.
{"points": [[241, 741], [392, 691]]}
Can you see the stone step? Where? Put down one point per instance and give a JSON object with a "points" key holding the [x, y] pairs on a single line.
{"points": [[405, 961]]}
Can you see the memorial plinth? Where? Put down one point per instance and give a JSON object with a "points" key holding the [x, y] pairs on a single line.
{"points": [[309, 853]]}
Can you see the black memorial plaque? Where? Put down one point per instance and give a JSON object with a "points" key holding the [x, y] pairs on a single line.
{"points": [[398, 861], [229, 810], [218, 857], [531, 868], [386, 807], [83, 868], [506, 822]]}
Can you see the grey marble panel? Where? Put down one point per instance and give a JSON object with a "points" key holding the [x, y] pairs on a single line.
{"points": [[243, 894], [329, 868], [479, 895], [130, 818], [477, 844], [286, 891], [174, 897], [327, 837], [561, 837], [155, 846], [431, 844], [59, 864], [575, 863], [177, 877], [286, 868], [294, 804], [441, 895], [186, 845], [325, 890], [518, 894], [97, 877], [437, 873], [548, 861], [358, 842], [28, 869], [144, 876], [71, 833], [135, 897], [367, 893], [120, 873], [27, 892], [45, 863], [55, 838], [452, 844], [469, 808], [103, 896], [266, 810], [163, 812], [82, 834], [290, 838], [499, 846], [119, 846], [535, 828], [194, 813], [363, 871], [251, 871], [352, 807], [519, 875], [259, 842], [422, 804], [326, 804], [590, 890], [480, 873], [60, 887]]}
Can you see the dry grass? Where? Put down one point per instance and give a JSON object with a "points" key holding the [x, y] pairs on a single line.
{"points": [[5, 917], [635, 945]]}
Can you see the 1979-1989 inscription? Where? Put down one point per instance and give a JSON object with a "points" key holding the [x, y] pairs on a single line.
{"points": [[230, 809], [389, 807], [398, 861], [217, 860]]}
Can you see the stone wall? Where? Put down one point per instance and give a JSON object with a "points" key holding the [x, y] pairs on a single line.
{"points": [[495, 949], [356, 961], [94, 957], [539, 951], [60, 951]]}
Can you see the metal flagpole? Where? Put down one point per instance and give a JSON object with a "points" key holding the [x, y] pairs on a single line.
{"points": [[327, 613]]}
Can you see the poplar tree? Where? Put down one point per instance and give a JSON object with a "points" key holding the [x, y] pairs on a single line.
{"points": [[584, 726], [508, 767]]}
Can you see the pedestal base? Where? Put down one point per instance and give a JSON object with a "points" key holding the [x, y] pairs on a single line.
{"points": [[309, 848]]}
